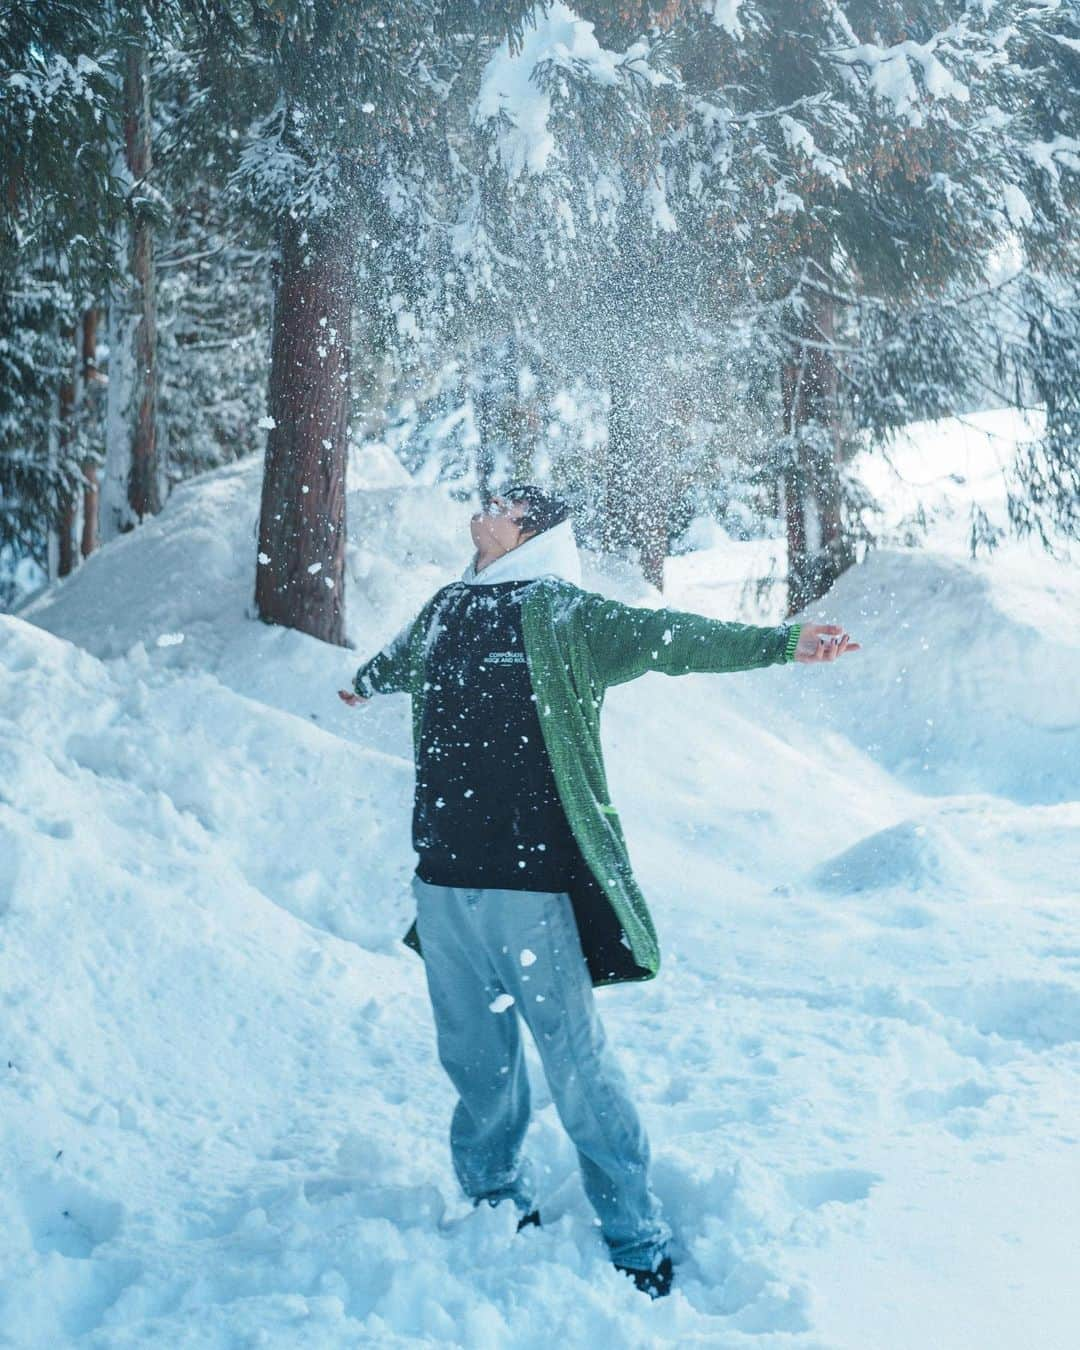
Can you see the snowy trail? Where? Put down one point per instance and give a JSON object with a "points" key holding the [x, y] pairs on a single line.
{"points": [[222, 1119]]}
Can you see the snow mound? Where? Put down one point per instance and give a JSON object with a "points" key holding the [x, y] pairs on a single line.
{"points": [[958, 687], [910, 855], [177, 760], [191, 569], [179, 571]]}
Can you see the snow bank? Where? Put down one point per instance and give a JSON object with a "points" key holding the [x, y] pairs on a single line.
{"points": [[222, 1117]]}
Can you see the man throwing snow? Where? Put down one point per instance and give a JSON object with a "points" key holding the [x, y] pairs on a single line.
{"points": [[525, 896]]}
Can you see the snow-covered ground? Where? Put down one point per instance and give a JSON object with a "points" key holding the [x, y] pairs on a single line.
{"points": [[222, 1119]]}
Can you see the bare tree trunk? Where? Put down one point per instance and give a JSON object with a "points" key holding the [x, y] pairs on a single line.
{"points": [[132, 468], [836, 553], [66, 504], [144, 489], [300, 578], [817, 550], [794, 485], [115, 511], [90, 376]]}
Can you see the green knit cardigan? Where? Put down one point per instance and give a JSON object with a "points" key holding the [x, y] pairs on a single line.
{"points": [[578, 644]]}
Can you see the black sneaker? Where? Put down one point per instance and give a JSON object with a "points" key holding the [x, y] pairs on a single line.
{"points": [[656, 1283], [533, 1215]]}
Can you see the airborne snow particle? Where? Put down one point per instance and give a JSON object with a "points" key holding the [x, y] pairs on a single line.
{"points": [[527, 958], [305, 489], [170, 639], [266, 424], [315, 567], [501, 1003], [264, 558]]}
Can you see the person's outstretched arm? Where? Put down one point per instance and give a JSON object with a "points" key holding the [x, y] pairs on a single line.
{"points": [[626, 642], [388, 671]]}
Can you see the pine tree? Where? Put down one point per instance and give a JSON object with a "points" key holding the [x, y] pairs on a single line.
{"points": [[346, 96], [837, 177], [59, 203]]}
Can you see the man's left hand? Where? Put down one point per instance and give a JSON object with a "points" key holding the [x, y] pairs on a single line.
{"points": [[823, 642]]}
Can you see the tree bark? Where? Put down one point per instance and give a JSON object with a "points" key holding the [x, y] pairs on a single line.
{"points": [[300, 577], [836, 553], [90, 377], [66, 503], [144, 489], [817, 550], [133, 472], [793, 483]]}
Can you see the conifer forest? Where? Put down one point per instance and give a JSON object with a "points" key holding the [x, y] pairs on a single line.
{"points": [[715, 246]]}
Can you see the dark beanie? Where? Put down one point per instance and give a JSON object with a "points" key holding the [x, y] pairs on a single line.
{"points": [[543, 509]]}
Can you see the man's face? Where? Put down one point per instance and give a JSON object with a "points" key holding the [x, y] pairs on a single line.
{"points": [[496, 529]]}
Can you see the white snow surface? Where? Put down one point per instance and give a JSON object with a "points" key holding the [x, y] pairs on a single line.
{"points": [[222, 1118]]}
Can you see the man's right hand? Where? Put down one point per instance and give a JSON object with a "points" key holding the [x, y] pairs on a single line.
{"points": [[823, 642], [350, 698]]}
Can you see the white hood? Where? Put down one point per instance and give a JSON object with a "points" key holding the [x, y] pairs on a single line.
{"points": [[551, 553]]}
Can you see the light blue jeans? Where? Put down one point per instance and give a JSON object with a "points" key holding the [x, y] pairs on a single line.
{"points": [[480, 946]]}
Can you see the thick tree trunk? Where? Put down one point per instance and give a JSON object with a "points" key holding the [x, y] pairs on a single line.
{"points": [[90, 377], [300, 578]]}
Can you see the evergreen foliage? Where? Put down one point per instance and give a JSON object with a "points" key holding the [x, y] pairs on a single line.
{"points": [[674, 256]]}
